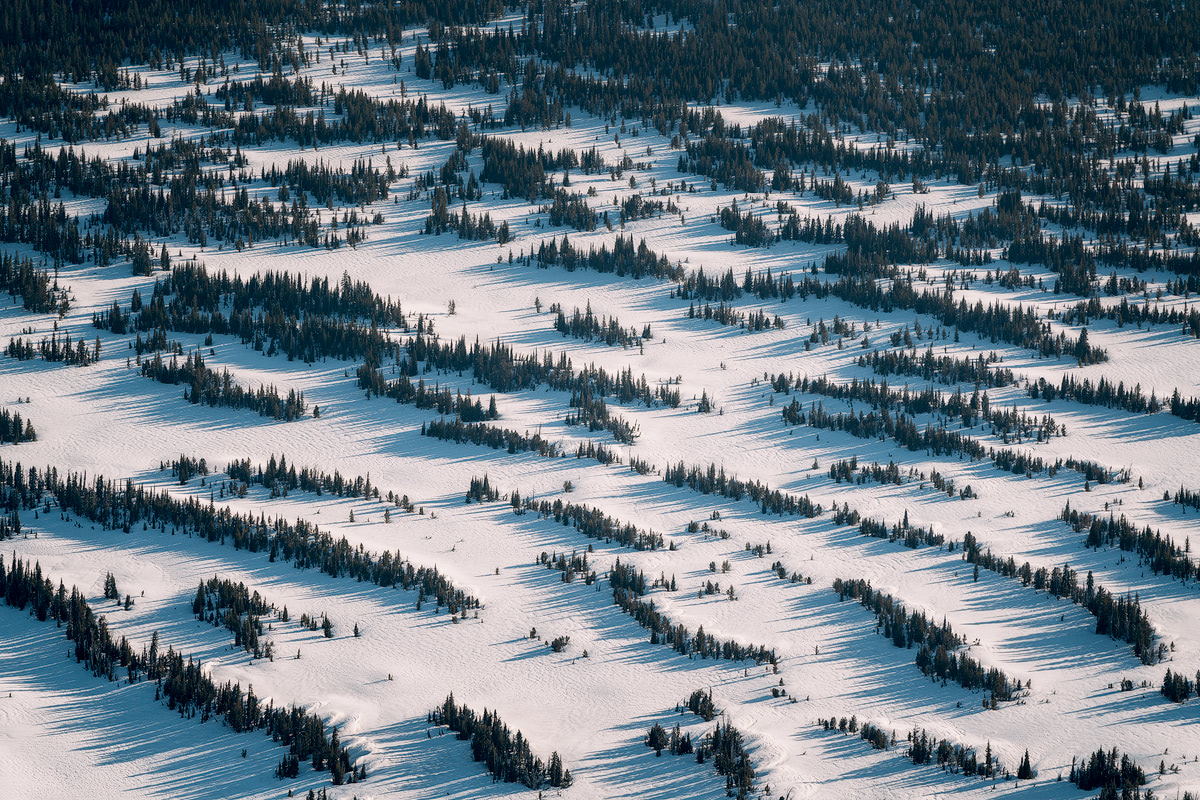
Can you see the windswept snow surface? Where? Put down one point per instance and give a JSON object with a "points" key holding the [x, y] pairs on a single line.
{"points": [[67, 734]]}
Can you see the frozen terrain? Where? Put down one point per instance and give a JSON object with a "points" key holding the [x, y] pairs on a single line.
{"points": [[65, 733]]}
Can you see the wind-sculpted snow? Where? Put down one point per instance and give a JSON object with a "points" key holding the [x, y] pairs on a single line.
{"points": [[431, 409]]}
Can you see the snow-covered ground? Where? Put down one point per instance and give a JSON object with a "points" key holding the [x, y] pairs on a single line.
{"points": [[65, 734]]}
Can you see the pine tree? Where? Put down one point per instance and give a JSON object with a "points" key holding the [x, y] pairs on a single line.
{"points": [[1025, 771]]}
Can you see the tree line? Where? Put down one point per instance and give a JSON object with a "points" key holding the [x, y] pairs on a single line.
{"points": [[184, 687], [938, 646], [507, 756], [119, 505]]}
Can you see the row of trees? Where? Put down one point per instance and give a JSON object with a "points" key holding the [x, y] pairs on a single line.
{"points": [[1153, 548], [185, 687], [507, 756], [120, 505], [922, 748], [205, 385], [938, 654], [55, 350], [629, 586], [1119, 617]]}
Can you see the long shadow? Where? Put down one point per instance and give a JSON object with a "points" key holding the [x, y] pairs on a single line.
{"points": [[168, 757]]}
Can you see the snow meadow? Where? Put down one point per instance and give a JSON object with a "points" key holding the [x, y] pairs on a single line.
{"points": [[386, 414]]}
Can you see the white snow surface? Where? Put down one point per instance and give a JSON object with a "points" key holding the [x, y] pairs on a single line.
{"points": [[64, 733]]}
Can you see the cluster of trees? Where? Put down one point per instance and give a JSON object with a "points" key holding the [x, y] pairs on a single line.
{"points": [[185, 467], [943, 369], [937, 645], [845, 469], [589, 327], [676, 742], [363, 183], [592, 411], [714, 480], [922, 748], [474, 227], [590, 521], [571, 208], [1019, 326], [281, 478], [1184, 497], [507, 756], [1126, 313], [211, 388], [623, 260], [1109, 771], [220, 601], [629, 586], [1176, 686], [1119, 617], [402, 390], [512, 441], [121, 505], [569, 566], [724, 746], [968, 410], [175, 189], [748, 228], [939, 440], [482, 490], [753, 321], [14, 429], [53, 349], [529, 173], [38, 290], [499, 366], [1103, 393], [608, 63], [1153, 548], [185, 687], [911, 535], [700, 702], [279, 312]]}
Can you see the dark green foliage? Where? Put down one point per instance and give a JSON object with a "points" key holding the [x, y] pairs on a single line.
{"points": [[185, 686], [277, 311], [507, 756], [55, 349], [593, 523], [18, 276], [221, 602], [922, 748], [14, 429], [1153, 548], [281, 478], [630, 585], [1121, 618], [1176, 686], [714, 480], [1025, 770], [1110, 771], [210, 388], [590, 327], [700, 703], [120, 505], [482, 490], [938, 647], [514, 442]]}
